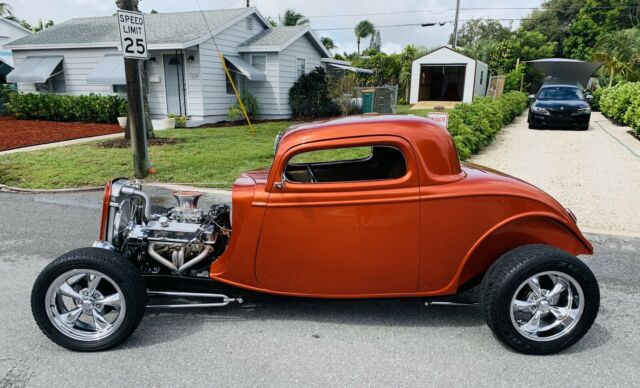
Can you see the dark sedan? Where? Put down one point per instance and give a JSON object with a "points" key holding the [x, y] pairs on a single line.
{"points": [[560, 106]]}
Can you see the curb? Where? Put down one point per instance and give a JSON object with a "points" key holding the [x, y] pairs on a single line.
{"points": [[169, 186], [20, 190]]}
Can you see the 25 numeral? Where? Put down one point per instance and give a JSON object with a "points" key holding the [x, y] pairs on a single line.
{"points": [[128, 48]]}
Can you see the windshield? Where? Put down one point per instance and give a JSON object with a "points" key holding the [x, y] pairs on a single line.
{"points": [[560, 93]]}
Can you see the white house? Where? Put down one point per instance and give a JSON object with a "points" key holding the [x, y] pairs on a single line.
{"points": [[447, 75], [185, 74], [9, 30]]}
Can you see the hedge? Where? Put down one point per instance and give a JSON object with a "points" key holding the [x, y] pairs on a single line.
{"points": [[92, 108], [474, 125], [621, 104]]}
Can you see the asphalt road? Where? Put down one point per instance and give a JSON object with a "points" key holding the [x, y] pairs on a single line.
{"points": [[302, 343]]}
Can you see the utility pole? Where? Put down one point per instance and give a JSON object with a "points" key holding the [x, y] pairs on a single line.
{"points": [[135, 113], [455, 25]]}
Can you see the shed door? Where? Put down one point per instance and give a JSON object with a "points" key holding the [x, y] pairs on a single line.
{"points": [[174, 81]]}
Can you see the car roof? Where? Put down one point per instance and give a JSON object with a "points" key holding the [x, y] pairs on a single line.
{"points": [[428, 139]]}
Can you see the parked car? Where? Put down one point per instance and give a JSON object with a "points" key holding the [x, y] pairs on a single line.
{"points": [[376, 207], [560, 106]]}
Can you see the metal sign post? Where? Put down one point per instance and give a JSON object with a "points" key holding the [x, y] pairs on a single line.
{"points": [[134, 48]]}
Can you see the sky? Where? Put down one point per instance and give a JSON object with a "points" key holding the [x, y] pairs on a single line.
{"points": [[333, 18]]}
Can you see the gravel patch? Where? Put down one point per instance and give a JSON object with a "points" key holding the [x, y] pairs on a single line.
{"points": [[596, 173]]}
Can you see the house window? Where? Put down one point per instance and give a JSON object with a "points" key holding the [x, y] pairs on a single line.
{"points": [[481, 77], [249, 23], [55, 83], [348, 164], [300, 66], [234, 75], [120, 89], [259, 61]]}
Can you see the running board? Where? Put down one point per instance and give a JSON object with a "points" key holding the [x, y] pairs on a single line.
{"points": [[443, 303], [224, 300]]}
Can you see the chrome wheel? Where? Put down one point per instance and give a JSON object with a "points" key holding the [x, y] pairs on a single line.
{"points": [[547, 306], [85, 305]]}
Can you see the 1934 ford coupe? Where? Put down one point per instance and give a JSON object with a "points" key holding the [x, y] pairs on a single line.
{"points": [[374, 207]]}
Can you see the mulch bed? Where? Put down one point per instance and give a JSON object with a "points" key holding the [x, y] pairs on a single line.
{"points": [[22, 133], [124, 143]]}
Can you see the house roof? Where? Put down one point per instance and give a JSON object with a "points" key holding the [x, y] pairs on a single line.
{"points": [[15, 24], [279, 38], [459, 52], [164, 30]]}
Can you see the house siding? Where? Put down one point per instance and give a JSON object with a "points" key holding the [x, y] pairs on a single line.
{"points": [[77, 65], [215, 100], [301, 48], [266, 91]]}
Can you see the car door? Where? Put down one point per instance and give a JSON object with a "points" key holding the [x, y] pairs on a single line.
{"points": [[343, 236]]}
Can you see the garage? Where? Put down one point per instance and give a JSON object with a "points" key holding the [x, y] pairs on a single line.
{"points": [[446, 75]]}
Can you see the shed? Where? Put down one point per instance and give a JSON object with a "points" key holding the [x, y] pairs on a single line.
{"points": [[447, 75]]}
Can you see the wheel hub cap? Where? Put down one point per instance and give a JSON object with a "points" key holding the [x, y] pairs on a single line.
{"points": [[547, 306], [85, 305]]}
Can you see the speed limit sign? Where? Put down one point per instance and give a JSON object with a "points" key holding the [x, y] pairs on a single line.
{"points": [[132, 34]]}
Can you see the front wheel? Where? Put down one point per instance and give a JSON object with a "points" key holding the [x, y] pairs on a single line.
{"points": [[539, 300], [88, 299]]}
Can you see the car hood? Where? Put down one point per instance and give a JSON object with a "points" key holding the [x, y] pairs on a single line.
{"points": [[557, 104]]}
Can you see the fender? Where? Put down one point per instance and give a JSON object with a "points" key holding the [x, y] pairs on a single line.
{"points": [[522, 229]]}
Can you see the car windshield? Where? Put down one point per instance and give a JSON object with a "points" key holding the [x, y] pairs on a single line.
{"points": [[559, 93]]}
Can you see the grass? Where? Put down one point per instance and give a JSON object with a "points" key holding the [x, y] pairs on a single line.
{"points": [[211, 157]]}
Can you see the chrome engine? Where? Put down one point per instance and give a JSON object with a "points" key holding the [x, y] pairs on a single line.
{"points": [[182, 240]]}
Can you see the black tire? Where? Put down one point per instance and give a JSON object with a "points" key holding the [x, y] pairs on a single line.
{"points": [[125, 275], [509, 272]]}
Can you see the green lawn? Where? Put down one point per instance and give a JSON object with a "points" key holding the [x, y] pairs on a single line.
{"points": [[210, 157]]}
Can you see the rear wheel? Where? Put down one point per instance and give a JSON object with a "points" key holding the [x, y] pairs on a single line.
{"points": [[88, 299], [539, 300]]}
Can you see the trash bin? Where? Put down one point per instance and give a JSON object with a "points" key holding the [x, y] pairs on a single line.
{"points": [[367, 100]]}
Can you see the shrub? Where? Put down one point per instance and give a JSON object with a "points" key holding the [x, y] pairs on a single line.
{"points": [[92, 108], [621, 104], [309, 96], [181, 120], [474, 125], [6, 90], [251, 104]]}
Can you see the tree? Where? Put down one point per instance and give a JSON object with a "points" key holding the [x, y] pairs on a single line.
{"points": [[476, 30], [619, 52], [376, 42], [598, 17], [363, 29], [272, 21], [153, 11], [292, 18], [553, 20], [6, 11], [328, 43]]}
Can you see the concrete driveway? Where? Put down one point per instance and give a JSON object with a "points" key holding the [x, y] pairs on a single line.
{"points": [[596, 173], [304, 343]]}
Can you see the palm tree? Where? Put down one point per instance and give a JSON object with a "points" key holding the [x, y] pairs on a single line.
{"points": [[363, 29], [6, 11], [328, 43], [292, 18], [619, 53]]}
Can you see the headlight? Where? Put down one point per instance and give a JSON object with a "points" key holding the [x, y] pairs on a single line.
{"points": [[582, 111], [540, 111]]}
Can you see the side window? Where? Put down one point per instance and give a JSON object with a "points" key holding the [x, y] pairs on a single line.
{"points": [[301, 65], [347, 164], [259, 61]]}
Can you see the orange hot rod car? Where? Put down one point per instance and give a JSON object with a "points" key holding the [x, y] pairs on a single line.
{"points": [[373, 207]]}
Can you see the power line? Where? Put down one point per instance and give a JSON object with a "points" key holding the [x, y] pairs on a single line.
{"points": [[425, 24], [443, 10]]}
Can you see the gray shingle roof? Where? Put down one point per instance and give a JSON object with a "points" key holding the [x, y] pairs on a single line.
{"points": [[162, 28], [274, 37]]}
